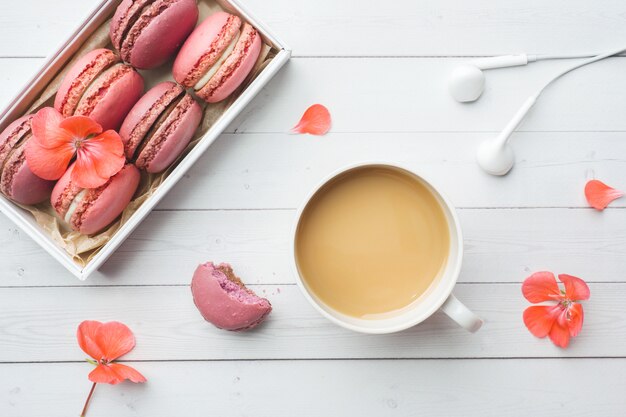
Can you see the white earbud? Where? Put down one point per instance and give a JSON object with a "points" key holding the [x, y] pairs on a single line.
{"points": [[467, 81], [495, 156]]}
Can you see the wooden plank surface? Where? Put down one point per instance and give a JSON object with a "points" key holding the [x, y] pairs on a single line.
{"points": [[169, 327], [500, 246], [412, 96], [368, 388]]}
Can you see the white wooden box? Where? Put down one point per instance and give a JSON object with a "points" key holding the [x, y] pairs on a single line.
{"points": [[19, 104]]}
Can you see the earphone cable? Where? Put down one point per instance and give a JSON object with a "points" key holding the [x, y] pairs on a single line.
{"points": [[545, 57], [588, 61]]}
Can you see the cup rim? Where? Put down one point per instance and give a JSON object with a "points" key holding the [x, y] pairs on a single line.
{"points": [[448, 285]]}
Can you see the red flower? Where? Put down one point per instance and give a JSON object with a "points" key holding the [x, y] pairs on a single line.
{"points": [[56, 141], [106, 342], [559, 321]]}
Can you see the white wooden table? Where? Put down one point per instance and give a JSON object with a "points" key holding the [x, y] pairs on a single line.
{"points": [[380, 67]]}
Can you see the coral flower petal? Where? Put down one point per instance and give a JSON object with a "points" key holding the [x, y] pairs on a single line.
{"points": [[81, 126], [98, 159], [115, 339], [576, 318], [315, 120], [46, 129], [127, 372], [599, 195], [560, 334], [575, 288], [85, 175], [103, 374], [541, 286], [540, 319], [49, 164], [107, 151], [86, 335]]}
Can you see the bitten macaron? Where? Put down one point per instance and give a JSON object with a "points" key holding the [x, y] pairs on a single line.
{"points": [[224, 300], [88, 211], [101, 87], [218, 56], [148, 32], [160, 126], [17, 181]]}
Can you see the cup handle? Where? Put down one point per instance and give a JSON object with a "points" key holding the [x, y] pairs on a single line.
{"points": [[457, 311]]}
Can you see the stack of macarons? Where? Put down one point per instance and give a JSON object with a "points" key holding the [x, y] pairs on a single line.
{"points": [[156, 127]]}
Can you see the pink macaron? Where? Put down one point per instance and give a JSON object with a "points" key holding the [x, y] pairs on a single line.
{"points": [[159, 127], [218, 56], [88, 211], [17, 181], [101, 87], [148, 32], [224, 301]]}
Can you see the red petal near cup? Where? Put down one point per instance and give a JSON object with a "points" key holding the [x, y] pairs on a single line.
{"points": [[541, 286], [315, 121], [576, 318], [599, 195], [575, 288], [560, 335], [540, 319]]}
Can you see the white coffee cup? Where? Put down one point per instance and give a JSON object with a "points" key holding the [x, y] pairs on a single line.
{"points": [[439, 294]]}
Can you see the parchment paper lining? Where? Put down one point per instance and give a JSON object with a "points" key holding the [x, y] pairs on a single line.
{"points": [[82, 248]]}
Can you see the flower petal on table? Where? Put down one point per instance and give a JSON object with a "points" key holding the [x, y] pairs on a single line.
{"points": [[86, 335], [127, 372], [540, 319], [315, 121], [575, 288], [599, 195], [115, 339], [541, 286], [576, 318], [103, 374], [560, 334]]}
